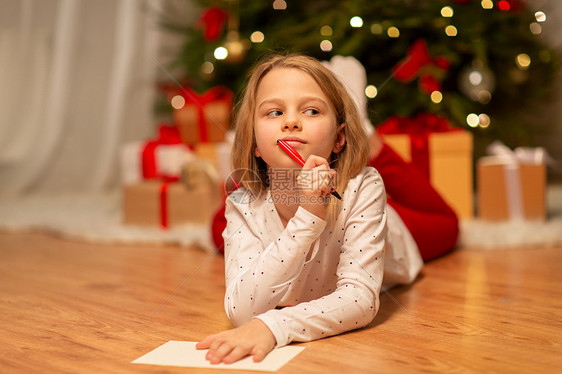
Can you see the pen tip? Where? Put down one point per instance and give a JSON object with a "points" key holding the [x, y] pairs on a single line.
{"points": [[278, 140], [336, 194]]}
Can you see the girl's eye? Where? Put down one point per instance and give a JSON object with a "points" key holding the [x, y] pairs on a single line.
{"points": [[312, 112], [274, 113]]}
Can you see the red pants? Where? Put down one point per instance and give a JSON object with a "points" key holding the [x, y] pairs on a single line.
{"points": [[432, 223]]}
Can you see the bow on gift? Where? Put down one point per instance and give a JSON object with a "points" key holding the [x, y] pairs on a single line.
{"points": [[214, 94], [419, 63], [418, 129], [167, 135], [512, 160]]}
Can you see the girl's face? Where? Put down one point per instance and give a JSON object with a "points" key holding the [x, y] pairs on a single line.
{"points": [[290, 105]]}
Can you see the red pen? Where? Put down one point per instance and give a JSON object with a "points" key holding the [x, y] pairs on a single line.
{"points": [[298, 158]]}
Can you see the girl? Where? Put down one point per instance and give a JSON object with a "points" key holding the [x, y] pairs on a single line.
{"points": [[301, 265]]}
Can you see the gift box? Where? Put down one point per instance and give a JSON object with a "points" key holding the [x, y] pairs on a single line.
{"points": [[168, 204], [443, 153], [218, 155], [158, 158], [204, 118], [511, 186]]}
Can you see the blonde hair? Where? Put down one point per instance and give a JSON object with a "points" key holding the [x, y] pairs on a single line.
{"points": [[348, 162]]}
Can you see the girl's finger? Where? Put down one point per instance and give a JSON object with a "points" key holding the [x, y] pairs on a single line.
{"points": [[258, 354], [218, 355], [235, 355], [205, 343]]}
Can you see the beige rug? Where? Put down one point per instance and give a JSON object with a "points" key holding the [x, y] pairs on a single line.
{"points": [[97, 218]]}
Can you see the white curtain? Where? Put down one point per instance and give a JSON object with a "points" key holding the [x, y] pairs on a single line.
{"points": [[77, 80]]}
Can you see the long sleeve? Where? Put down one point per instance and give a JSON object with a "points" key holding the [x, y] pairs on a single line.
{"points": [[359, 238], [258, 275]]}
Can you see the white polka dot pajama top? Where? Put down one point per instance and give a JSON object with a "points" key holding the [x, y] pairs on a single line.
{"points": [[308, 281]]}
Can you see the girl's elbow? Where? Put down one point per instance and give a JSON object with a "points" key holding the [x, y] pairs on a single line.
{"points": [[236, 316]]}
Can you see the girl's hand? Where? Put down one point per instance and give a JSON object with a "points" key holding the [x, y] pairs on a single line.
{"points": [[314, 184], [252, 338]]}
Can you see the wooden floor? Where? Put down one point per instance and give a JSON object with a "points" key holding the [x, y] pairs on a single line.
{"points": [[78, 307]]}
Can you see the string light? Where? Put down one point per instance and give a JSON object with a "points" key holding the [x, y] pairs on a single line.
{"points": [[540, 16], [475, 77], [376, 29], [371, 91], [279, 5], [356, 21], [393, 32], [326, 45], [436, 97], [451, 30], [257, 37], [326, 31], [504, 5], [220, 53], [523, 61], [535, 28], [447, 11], [207, 67], [483, 120], [472, 120], [177, 102], [487, 4], [484, 96]]}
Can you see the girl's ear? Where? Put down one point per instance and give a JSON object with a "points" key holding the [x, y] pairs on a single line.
{"points": [[257, 152], [339, 142]]}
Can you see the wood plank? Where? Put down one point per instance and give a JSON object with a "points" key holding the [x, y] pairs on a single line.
{"points": [[81, 307]]}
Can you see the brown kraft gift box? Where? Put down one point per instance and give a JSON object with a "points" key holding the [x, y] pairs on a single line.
{"points": [[142, 203], [204, 118], [450, 165], [519, 196]]}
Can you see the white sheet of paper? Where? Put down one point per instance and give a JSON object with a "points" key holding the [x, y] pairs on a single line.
{"points": [[178, 353]]}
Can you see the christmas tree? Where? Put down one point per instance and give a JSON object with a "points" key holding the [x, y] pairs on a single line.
{"points": [[480, 64]]}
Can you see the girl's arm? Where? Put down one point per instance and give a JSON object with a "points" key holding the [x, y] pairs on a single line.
{"points": [[355, 301], [257, 278]]}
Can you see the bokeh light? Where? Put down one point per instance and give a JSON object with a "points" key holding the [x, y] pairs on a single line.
{"points": [[451, 30], [535, 28], [504, 5], [523, 61], [447, 11], [371, 91], [487, 4], [177, 102], [326, 45], [207, 67], [483, 120], [436, 97], [356, 21], [540, 16], [472, 120], [393, 32], [257, 37], [279, 5], [220, 53], [326, 31]]}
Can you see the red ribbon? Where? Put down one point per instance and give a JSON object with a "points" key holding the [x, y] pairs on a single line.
{"points": [[418, 129], [164, 205], [214, 94], [167, 135], [417, 58]]}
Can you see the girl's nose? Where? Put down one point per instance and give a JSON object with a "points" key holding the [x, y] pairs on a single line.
{"points": [[291, 124]]}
